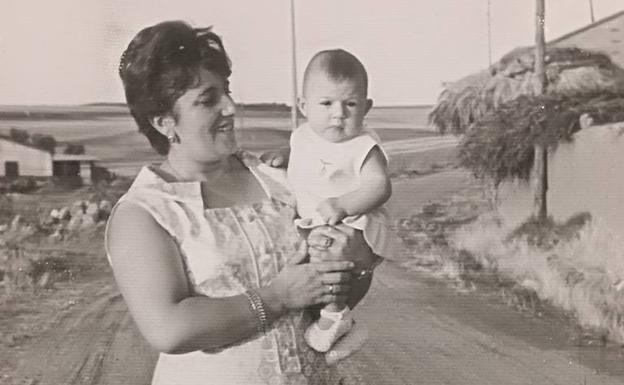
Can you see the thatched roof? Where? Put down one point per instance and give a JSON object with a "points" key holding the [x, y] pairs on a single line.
{"points": [[500, 145], [570, 72]]}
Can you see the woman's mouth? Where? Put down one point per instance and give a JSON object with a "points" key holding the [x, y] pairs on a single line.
{"points": [[226, 126]]}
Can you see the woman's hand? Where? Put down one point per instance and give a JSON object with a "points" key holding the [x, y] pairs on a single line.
{"points": [[300, 285], [343, 242], [276, 158], [340, 243]]}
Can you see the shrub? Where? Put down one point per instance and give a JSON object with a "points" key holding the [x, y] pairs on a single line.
{"points": [[74, 149], [23, 185], [18, 135], [44, 142]]}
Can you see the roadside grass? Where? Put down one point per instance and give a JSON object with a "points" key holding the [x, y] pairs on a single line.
{"points": [[575, 267]]}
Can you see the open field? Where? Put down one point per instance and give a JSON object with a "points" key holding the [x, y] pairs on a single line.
{"points": [[109, 133]]}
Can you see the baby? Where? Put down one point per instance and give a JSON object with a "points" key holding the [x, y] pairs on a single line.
{"points": [[337, 169]]}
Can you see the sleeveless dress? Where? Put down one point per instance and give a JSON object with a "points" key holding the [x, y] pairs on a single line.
{"points": [[227, 251]]}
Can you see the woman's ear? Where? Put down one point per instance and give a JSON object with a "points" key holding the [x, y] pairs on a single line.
{"points": [[302, 106], [164, 124]]}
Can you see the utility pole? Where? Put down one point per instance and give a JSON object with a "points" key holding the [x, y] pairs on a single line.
{"points": [[591, 11], [489, 31], [541, 153], [293, 110]]}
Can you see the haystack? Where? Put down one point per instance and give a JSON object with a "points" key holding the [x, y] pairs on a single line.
{"points": [[571, 73], [502, 117]]}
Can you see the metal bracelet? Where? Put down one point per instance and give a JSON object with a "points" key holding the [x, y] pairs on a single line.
{"points": [[257, 307]]}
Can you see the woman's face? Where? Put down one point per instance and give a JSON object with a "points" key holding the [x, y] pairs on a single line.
{"points": [[205, 119]]}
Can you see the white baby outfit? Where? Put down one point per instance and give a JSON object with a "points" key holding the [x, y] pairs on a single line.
{"points": [[319, 169]]}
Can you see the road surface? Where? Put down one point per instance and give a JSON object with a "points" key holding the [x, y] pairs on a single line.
{"points": [[421, 332]]}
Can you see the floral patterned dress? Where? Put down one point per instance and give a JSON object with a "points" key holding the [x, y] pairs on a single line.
{"points": [[227, 251]]}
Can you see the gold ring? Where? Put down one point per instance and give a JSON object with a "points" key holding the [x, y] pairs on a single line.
{"points": [[331, 289]]}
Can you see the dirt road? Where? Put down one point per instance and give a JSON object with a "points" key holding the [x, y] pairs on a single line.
{"points": [[422, 331]]}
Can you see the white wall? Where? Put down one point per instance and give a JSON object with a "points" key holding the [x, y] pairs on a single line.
{"points": [[31, 161], [585, 175]]}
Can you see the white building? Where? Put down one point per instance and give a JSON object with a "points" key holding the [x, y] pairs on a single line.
{"points": [[20, 159]]}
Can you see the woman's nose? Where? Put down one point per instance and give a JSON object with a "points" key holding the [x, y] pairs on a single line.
{"points": [[228, 106]]}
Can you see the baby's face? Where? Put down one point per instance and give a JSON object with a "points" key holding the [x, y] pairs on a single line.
{"points": [[335, 109]]}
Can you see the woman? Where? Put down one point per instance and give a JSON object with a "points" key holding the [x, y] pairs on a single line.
{"points": [[202, 246]]}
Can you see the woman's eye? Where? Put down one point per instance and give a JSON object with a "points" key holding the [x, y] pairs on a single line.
{"points": [[206, 102], [326, 103]]}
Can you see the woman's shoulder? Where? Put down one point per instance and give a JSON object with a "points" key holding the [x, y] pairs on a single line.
{"points": [[273, 179]]}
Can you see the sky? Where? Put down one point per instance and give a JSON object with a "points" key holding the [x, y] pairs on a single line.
{"points": [[67, 51]]}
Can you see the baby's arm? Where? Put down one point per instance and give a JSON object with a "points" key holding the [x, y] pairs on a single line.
{"points": [[375, 189]]}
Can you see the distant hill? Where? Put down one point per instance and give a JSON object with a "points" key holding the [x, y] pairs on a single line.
{"points": [[93, 111], [280, 107], [124, 105]]}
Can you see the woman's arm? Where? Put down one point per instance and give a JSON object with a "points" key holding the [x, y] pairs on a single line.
{"points": [[150, 275]]}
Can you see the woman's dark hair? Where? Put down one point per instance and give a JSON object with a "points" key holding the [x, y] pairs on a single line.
{"points": [[160, 64]]}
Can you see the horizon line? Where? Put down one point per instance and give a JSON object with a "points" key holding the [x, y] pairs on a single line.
{"points": [[95, 104]]}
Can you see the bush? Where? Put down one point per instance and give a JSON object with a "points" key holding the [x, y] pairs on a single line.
{"points": [[18, 135], [23, 185], [6, 208], [44, 142], [546, 234], [74, 149], [102, 174]]}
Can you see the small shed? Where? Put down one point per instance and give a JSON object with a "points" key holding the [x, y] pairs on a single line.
{"points": [[71, 166]]}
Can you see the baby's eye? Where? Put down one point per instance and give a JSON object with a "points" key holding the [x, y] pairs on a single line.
{"points": [[351, 104]]}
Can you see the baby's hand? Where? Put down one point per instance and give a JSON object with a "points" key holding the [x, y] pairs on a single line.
{"points": [[331, 211], [276, 158]]}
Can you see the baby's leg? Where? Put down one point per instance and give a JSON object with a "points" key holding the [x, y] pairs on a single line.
{"points": [[334, 322]]}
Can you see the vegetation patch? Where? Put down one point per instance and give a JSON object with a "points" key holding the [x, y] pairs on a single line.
{"points": [[575, 267]]}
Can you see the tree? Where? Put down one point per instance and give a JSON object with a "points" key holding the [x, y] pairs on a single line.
{"points": [[18, 135], [45, 142], [74, 149]]}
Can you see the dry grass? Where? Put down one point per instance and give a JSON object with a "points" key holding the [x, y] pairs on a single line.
{"points": [[576, 267], [570, 72]]}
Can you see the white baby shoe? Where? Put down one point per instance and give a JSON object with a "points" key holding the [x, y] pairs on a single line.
{"points": [[322, 340], [348, 344]]}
